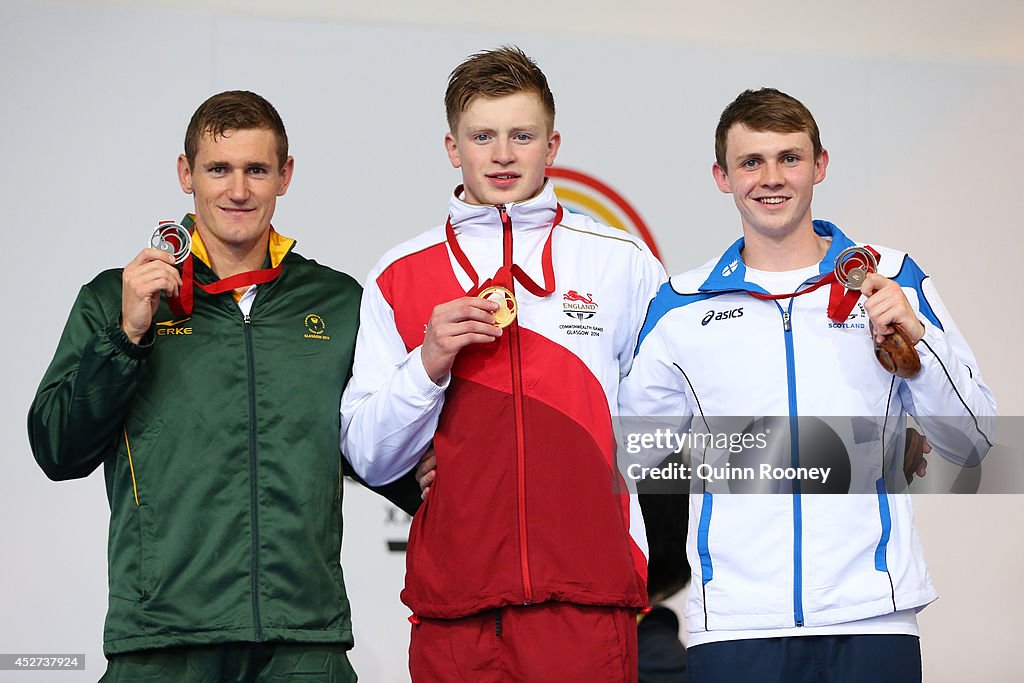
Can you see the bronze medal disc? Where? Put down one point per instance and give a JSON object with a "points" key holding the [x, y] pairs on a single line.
{"points": [[855, 278]]}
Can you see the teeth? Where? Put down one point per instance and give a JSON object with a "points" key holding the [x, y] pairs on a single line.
{"points": [[772, 200]]}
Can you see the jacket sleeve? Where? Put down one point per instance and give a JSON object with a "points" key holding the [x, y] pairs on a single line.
{"points": [[948, 397], [652, 397], [403, 492], [82, 401], [390, 408], [649, 278]]}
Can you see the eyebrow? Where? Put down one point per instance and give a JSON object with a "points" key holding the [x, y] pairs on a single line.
{"points": [[526, 127], [247, 164], [744, 157], [795, 151]]}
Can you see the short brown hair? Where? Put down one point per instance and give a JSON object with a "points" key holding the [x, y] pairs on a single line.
{"points": [[234, 110], [496, 73], [766, 109]]}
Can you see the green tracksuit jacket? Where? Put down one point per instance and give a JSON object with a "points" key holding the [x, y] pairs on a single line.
{"points": [[218, 437]]}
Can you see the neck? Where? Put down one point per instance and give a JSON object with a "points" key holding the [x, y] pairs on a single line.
{"points": [[792, 252]]}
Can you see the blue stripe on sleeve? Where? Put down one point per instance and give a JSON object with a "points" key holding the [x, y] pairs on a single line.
{"points": [[912, 276]]}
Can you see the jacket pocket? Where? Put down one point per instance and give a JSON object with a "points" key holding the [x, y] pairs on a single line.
{"points": [[132, 549], [139, 438], [131, 555]]}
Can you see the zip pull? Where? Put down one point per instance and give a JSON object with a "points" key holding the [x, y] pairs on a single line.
{"points": [[506, 234], [785, 321], [246, 319], [506, 220]]}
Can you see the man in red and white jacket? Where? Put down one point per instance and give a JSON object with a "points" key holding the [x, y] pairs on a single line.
{"points": [[526, 561]]}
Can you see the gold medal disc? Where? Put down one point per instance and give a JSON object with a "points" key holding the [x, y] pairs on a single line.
{"points": [[506, 301]]}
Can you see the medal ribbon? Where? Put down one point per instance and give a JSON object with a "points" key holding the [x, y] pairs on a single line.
{"points": [[840, 299], [507, 273], [182, 304]]}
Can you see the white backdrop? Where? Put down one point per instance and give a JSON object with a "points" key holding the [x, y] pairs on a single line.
{"points": [[925, 155]]}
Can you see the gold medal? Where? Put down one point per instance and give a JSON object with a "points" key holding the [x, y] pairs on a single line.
{"points": [[506, 300]]}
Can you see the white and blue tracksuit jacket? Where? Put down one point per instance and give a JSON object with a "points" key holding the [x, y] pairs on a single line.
{"points": [[709, 349]]}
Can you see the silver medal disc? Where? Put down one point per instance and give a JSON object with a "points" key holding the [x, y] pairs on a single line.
{"points": [[174, 239], [853, 265]]}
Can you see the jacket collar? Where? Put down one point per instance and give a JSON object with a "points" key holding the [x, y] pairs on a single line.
{"points": [[730, 274], [277, 248], [533, 214]]}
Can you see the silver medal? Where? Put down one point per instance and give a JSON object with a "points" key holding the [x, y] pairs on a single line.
{"points": [[174, 239]]}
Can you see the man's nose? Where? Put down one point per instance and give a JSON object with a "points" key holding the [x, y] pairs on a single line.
{"points": [[239, 189], [771, 175], [504, 152]]}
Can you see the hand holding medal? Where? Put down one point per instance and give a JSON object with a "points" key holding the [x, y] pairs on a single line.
{"points": [[506, 300], [895, 326], [455, 325], [151, 272]]}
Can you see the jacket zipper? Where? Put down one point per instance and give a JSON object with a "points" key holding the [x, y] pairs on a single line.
{"points": [[794, 451], [253, 487], [517, 404]]}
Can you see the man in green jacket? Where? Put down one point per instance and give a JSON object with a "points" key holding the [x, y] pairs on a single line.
{"points": [[214, 411]]}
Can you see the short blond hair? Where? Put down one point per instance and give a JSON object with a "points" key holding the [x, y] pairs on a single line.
{"points": [[496, 73]]}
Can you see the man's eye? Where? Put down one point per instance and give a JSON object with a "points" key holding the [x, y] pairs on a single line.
{"points": [[481, 137], [257, 170], [217, 170], [790, 159], [522, 137], [750, 163]]}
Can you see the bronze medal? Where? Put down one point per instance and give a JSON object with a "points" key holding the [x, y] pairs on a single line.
{"points": [[896, 353], [853, 265]]}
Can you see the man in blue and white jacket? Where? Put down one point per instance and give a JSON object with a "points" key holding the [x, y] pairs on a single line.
{"points": [[802, 587]]}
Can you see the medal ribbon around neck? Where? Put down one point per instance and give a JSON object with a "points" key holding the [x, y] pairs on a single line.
{"points": [[896, 352], [182, 304], [841, 298], [507, 273]]}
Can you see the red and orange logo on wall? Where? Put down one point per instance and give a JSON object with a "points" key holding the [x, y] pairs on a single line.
{"points": [[582, 193]]}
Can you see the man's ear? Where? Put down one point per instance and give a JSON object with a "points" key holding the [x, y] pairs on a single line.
{"points": [[184, 174], [554, 142], [820, 164], [452, 148], [721, 178], [286, 176]]}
